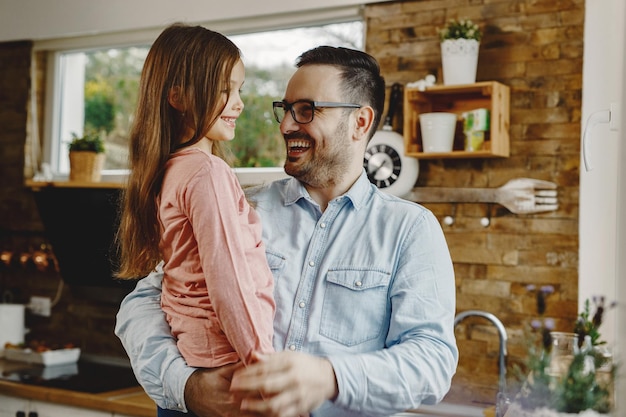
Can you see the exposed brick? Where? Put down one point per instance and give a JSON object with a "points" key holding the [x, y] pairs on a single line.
{"points": [[73, 319], [486, 287], [536, 48], [554, 67]]}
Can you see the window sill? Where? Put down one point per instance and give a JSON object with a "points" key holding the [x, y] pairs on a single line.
{"points": [[38, 185], [247, 177]]}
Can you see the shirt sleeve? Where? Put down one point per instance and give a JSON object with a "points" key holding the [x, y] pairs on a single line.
{"points": [[421, 355], [238, 279], [147, 339]]}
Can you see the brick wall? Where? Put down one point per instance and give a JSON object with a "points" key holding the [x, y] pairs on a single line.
{"points": [[75, 318], [536, 48], [15, 207]]}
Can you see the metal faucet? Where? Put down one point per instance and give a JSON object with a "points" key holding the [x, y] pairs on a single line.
{"points": [[501, 398]]}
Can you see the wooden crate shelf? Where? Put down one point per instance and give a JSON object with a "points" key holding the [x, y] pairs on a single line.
{"points": [[457, 99]]}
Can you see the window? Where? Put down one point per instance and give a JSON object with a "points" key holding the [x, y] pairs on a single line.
{"points": [[96, 89]]}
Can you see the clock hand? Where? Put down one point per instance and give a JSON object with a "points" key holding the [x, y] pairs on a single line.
{"points": [[382, 164]]}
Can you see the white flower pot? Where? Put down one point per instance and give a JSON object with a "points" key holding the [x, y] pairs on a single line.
{"points": [[459, 58], [437, 131]]}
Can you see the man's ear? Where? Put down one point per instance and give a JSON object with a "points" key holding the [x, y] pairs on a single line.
{"points": [[364, 122], [174, 97]]}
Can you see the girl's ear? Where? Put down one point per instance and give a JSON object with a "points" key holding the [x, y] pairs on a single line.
{"points": [[175, 99]]}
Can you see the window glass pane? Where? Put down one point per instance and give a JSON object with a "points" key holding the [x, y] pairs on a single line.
{"points": [[98, 91], [269, 58], [111, 85]]}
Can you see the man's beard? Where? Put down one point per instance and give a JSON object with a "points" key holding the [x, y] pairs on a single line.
{"points": [[328, 165]]}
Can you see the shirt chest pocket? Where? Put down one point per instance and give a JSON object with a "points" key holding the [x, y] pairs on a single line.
{"points": [[356, 307], [276, 262]]}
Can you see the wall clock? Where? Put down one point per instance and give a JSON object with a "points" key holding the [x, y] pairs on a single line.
{"points": [[385, 162]]}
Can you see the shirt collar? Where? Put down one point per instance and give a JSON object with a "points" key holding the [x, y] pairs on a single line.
{"points": [[358, 193]]}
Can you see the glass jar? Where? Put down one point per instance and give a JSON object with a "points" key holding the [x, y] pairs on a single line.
{"points": [[564, 347]]}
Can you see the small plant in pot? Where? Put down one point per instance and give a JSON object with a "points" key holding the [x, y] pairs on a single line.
{"points": [[460, 29], [86, 154], [560, 377], [460, 40]]}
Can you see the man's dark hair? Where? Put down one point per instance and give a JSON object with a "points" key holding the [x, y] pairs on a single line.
{"points": [[360, 72]]}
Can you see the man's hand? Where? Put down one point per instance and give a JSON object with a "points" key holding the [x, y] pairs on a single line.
{"points": [[290, 384], [207, 392]]}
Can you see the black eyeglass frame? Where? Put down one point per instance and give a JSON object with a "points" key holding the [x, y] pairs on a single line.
{"points": [[314, 105]]}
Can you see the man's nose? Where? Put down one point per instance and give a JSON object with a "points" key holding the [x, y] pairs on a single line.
{"points": [[288, 123]]}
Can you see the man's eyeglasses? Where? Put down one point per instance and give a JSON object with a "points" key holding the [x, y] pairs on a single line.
{"points": [[303, 111]]}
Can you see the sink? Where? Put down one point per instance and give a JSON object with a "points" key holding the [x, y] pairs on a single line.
{"points": [[446, 409]]}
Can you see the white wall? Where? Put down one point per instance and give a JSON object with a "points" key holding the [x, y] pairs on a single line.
{"points": [[620, 274], [45, 19], [603, 81]]}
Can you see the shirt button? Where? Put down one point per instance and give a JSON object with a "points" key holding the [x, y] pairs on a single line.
{"points": [[311, 263], [302, 304], [358, 283], [322, 225], [292, 347]]}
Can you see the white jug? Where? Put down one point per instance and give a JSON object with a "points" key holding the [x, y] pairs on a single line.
{"points": [[11, 325]]}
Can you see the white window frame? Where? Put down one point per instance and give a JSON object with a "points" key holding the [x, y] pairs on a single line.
{"points": [[55, 47]]}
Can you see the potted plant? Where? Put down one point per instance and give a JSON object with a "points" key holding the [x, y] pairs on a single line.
{"points": [[460, 40], [555, 383], [86, 154]]}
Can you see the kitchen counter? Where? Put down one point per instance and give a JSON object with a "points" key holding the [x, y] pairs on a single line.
{"points": [[128, 401], [131, 401], [135, 402]]}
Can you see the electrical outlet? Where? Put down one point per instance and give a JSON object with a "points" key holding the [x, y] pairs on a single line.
{"points": [[40, 306]]}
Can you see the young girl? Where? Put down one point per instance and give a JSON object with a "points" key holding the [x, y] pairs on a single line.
{"points": [[184, 205]]}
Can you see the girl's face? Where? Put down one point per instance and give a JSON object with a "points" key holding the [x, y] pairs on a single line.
{"points": [[224, 127]]}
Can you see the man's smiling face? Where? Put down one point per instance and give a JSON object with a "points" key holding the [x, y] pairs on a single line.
{"points": [[318, 152]]}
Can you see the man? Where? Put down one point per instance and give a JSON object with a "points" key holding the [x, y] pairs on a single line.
{"points": [[364, 284]]}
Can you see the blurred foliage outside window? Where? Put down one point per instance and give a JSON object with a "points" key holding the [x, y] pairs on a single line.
{"points": [[112, 79]]}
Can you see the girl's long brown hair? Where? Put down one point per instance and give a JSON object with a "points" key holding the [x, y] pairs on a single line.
{"points": [[197, 62]]}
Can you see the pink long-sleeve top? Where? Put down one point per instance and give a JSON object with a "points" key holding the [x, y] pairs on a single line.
{"points": [[217, 286]]}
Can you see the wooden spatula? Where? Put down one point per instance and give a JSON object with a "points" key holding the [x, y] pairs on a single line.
{"points": [[519, 196]]}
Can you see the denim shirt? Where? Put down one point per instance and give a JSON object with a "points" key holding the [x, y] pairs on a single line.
{"points": [[368, 284]]}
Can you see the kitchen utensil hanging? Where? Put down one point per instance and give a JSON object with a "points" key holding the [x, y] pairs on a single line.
{"points": [[519, 196]]}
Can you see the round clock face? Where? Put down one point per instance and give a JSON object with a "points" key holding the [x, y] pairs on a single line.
{"points": [[383, 165], [386, 165]]}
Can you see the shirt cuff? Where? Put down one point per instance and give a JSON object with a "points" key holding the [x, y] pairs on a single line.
{"points": [[174, 380], [349, 381]]}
